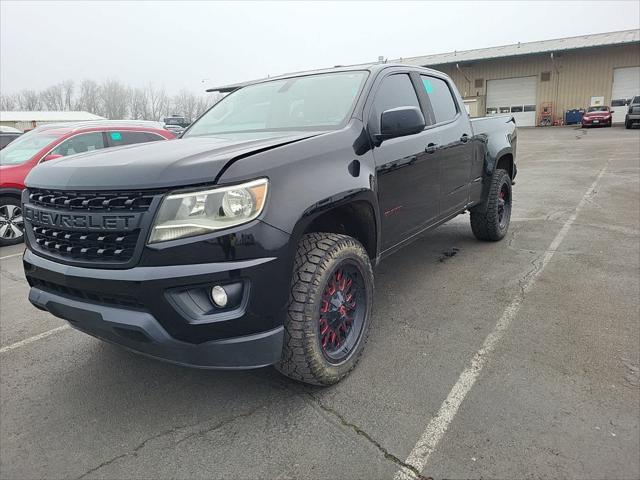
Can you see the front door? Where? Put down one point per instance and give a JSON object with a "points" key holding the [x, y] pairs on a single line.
{"points": [[407, 167]]}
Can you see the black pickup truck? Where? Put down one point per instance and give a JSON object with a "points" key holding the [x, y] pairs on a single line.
{"points": [[251, 240]]}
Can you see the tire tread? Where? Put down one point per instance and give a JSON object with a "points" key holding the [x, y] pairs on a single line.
{"points": [[313, 256], [485, 224]]}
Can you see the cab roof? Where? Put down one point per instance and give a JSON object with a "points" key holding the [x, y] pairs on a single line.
{"points": [[371, 67]]}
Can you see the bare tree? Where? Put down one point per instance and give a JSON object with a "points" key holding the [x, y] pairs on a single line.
{"points": [[29, 100], [202, 105], [139, 108], [53, 97], [158, 102], [8, 102], [89, 98], [186, 104], [111, 99], [67, 93], [115, 99]]}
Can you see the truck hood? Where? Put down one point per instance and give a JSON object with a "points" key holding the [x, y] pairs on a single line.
{"points": [[180, 162]]}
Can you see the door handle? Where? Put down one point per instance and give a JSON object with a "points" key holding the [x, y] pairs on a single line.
{"points": [[464, 138], [431, 148]]}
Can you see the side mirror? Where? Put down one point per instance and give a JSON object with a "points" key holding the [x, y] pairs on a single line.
{"points": [[612, 111], [399, 122], [52, 156]]}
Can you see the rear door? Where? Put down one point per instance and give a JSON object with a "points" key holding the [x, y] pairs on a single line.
{"points": [[454, 150], [407, 174]]}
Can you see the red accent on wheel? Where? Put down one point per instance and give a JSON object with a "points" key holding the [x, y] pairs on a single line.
{"points": [[337, 303]]}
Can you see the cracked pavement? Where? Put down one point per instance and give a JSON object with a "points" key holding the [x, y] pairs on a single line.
{"points": [[559, 396]]}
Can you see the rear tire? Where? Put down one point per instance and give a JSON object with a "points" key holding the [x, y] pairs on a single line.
{"points": [[492, 223], [321, 346], [11, 221]]}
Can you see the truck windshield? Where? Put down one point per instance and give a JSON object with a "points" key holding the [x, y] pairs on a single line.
{"points": [[303, 103], [24, 148]]}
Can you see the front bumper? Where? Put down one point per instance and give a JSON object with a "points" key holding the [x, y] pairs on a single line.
{"points": [[596, 121], [140, 331], [633, 117], [165, 311]]}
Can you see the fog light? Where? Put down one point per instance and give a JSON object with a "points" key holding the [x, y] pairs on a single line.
{"points": [[219, 296]]}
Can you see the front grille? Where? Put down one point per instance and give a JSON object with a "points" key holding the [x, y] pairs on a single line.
{"points": [[635, 109], [66, 241], [84, 245], [74, 201], [75, 293]]}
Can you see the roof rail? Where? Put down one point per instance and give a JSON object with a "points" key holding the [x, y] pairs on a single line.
{"points": [[73, 126]]}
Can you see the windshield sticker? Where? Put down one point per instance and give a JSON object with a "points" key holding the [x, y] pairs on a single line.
{"points": [[116, 136], [427, 85]]}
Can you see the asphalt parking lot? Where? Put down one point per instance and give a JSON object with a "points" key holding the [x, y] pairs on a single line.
{"points": [[498, 360]]}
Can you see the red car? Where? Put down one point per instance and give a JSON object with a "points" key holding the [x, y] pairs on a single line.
{"points": [[597, 116], [48, 142]]}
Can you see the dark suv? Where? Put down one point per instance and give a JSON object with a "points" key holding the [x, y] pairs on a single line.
{"points": [[251, 240], [633, 112], [8, 135]]}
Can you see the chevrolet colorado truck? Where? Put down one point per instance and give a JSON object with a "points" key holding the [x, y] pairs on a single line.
{"points": [[252, 239]]}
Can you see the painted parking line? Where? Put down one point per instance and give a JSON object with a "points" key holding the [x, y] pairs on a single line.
{"points": [[35, 338], [439, 424], [9, 256]]}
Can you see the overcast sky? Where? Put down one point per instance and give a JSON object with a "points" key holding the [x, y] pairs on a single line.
{"points": [[194, 45]]}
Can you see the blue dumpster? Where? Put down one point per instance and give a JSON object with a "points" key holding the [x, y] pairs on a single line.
{"points": [[572, 117]]}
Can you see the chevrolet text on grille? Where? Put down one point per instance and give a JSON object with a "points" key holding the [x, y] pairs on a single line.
{"points": [[82, 221]]}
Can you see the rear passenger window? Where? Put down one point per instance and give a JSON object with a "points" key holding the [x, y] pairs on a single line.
{"points": [[395, 91], [444, 107], [117, 138]]}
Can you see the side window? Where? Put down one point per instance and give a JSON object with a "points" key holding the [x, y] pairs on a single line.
{"points": [[395, 91], [444, 107], [129, 138], [85, 142]]}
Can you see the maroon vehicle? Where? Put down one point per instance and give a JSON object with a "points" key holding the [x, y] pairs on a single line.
{"points": [[48, 142], [597, 117]]}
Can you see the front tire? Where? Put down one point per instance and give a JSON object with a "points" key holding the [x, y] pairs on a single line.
{"points": [[492, 223], [11, 221], [628, 124], [329, 310]]}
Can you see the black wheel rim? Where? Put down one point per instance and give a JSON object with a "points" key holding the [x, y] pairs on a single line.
{"points": [[504, 205], [342, 312]]}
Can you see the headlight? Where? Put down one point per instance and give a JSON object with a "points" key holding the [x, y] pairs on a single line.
{"points": [[194, 213]]}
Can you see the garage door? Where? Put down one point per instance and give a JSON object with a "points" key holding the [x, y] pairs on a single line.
{"points": [[513, 95], [626, 84]]}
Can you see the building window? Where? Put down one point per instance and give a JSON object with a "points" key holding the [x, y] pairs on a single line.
{"points": [[479, 83], [516, 109], [545, 76], [492, 111], [505, 110], [529, 108]]}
